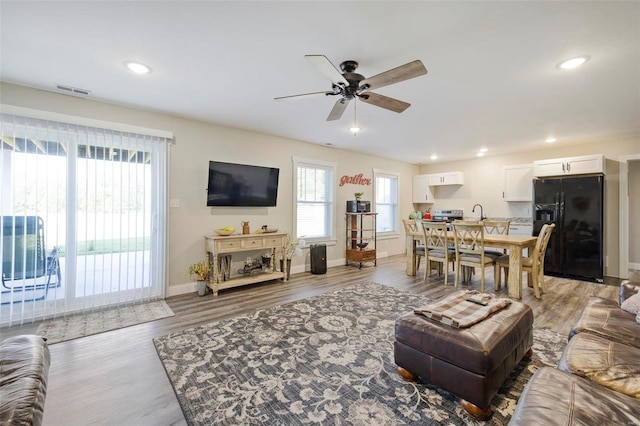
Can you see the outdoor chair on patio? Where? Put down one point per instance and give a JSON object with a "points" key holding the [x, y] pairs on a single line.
{"points": [[23, 258]]}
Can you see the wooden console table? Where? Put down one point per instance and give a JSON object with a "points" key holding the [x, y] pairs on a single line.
{"points": [[218, 245]]}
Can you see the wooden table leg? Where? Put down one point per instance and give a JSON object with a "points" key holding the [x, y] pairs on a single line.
{"points": [[411, 256], [514, 281]]}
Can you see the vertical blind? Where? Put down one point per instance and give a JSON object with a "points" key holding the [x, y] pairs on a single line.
{"points": [[83, 213]]}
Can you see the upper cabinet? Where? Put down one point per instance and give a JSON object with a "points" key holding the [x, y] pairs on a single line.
{"points": [[448, 178], [569, 166], [421, 191], [518, 183]]}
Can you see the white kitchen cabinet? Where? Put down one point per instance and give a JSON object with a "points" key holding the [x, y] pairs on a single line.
{"points": [[448, 178], [520, 229], [569, 166], [518, 182], [421, 191]]}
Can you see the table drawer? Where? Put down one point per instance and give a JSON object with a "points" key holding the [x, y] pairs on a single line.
{"points": [[253, 243], [227, 245], [277, 241]]}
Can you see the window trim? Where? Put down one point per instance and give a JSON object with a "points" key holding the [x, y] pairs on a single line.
{"points": [[301, 161]]}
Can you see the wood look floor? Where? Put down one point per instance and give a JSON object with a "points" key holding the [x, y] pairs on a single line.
{"points": [[116, 378]]}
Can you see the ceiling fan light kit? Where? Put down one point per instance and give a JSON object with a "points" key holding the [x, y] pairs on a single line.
{"points": [[350, 85]]}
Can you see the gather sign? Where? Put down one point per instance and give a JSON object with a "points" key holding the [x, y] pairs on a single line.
{"points": [[354, 180]]}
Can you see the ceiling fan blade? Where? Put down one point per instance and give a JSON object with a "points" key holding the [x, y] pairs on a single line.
{"points": [[384, 102], [324, 65], [338, 109], [395, 75], [303, 95]]}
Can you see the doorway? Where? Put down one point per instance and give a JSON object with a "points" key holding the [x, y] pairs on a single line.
{"points": [[629, 222], [98, 197]]}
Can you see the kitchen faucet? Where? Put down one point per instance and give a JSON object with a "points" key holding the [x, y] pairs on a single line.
{"points": [[482, 216]]}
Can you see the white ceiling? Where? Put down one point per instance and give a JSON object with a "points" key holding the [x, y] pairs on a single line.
{"points": [[492, 78]]}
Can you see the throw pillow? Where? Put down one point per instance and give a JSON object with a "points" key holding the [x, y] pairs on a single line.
{"points": [[632, 304]]}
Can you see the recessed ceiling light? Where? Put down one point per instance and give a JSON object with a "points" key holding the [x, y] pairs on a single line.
{"points": [[434, 157], [137, 67], [480, 154], [483, 150], [550, 140], [572, 63]]}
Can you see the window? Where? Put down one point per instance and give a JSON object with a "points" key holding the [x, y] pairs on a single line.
{"points": [[386, 200], [85, 206], [314, 189]]}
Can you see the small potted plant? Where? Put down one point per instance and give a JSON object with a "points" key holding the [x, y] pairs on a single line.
{"points": [[358, 195], [200, 272]]}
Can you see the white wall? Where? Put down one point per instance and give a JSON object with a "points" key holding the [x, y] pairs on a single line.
{"points": [[634, 215], [196, 144], [483, 184]]}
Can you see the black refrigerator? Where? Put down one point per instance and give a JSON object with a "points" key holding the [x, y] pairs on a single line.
{"points": [[575, 205]]}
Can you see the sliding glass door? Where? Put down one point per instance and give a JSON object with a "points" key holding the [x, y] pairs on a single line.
{"points": [[96, 198]]}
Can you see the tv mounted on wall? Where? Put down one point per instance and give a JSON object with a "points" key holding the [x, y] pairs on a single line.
{"points": [[242, 185]]}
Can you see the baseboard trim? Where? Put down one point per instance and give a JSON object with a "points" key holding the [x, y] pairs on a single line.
{"points": [[178, 289], [634, 266]]}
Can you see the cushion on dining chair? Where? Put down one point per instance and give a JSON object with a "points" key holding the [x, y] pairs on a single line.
{"points": [[493, 254], [436, 253], [464, 257], [504, 260]]}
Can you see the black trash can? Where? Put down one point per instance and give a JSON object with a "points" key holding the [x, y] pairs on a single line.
{"points": [[318, 258]]}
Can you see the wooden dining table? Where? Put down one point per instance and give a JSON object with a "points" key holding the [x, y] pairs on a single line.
{"points": [[514, 243]]}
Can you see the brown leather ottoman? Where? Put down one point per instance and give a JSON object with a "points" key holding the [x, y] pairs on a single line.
{"points": [[605, 362], [472, 363]]}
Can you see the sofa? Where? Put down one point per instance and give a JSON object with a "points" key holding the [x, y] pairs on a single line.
{"points": [[24, 367], [597, 380]]}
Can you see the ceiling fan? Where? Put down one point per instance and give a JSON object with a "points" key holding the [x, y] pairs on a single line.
{"points": [[350, 85]]}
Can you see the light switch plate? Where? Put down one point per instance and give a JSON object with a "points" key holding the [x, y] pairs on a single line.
{"points": [[174, 203]]}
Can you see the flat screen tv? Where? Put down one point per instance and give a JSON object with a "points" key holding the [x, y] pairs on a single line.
{"points": [[242, 185]]}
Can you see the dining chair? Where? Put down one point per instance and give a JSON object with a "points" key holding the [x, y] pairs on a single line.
{"points": [[469, 247], [533, 264], [438, 247], [411, 229], [497, 227]]}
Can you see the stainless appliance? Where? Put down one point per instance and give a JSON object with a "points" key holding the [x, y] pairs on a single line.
{"points": [[354, 206], [446, 216], [575, 205]]}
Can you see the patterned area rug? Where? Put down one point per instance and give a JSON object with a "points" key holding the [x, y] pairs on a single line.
{"points": [[75, 326], [323, 360]]}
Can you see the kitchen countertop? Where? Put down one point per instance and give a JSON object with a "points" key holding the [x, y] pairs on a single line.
{"points": [[515, 220]]}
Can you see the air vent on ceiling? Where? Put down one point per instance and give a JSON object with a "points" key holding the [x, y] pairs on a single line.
{"points": [[73, 90]]}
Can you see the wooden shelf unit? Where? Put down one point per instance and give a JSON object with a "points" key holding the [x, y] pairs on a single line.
{"points": [[217, 245], [360, 228]]}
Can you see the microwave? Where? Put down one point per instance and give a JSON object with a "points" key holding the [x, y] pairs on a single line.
{"points": [[354, 206]]}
